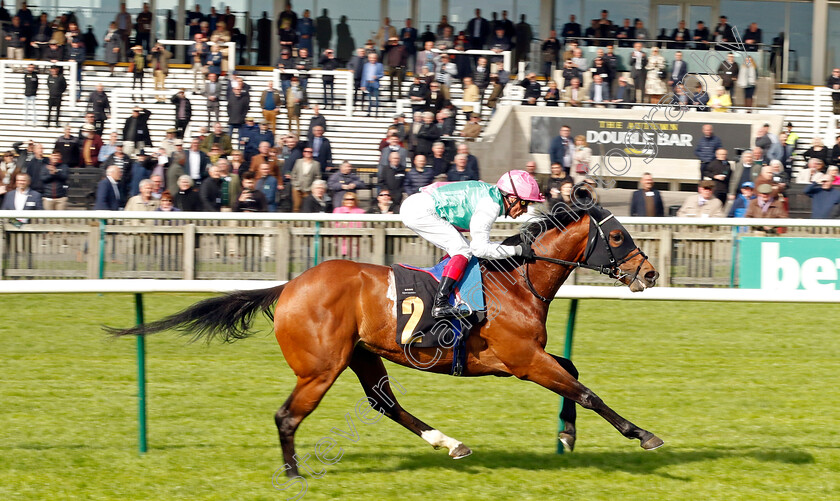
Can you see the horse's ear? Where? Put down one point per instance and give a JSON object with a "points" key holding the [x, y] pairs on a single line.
{"points": [[583, 196]]}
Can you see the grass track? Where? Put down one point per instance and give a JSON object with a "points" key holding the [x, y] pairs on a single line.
{"points": [[744, 396]]}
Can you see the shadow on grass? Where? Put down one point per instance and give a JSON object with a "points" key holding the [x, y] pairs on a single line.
{"points": [[635, 462]]}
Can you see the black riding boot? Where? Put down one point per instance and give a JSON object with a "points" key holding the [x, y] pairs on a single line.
{"points": [[442, 308]]}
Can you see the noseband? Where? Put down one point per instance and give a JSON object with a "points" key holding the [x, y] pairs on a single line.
{"points": [[599, 255]]}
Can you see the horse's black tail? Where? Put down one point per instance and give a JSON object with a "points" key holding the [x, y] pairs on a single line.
{"points": [[227, 317]]}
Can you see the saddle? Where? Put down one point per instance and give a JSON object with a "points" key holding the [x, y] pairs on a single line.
{"points": [[416, 288]]}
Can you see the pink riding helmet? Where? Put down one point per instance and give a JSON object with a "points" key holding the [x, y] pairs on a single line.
{"points": [[521, 185]]}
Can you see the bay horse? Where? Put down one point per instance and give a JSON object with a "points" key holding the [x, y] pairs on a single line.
{"points": [[342, 314]]}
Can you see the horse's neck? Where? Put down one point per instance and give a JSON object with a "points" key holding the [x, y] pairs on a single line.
{"points": [[568, 244]]}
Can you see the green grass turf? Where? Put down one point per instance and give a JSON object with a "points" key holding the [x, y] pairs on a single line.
{"points": [[744, 396]]}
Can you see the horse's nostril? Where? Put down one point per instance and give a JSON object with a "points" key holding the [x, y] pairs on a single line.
{"points": [[651, 276]]}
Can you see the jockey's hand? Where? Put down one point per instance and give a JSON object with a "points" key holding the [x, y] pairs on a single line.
{"points": [[526, 251]]}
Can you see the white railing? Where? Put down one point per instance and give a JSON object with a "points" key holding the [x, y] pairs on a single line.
{"points": [[142, 286], [70, 74], [345, 75], [506, 55], [230, 45], [391, 218]]}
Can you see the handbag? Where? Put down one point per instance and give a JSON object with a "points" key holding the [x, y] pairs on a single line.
{"points": [[581, 168], [131, 67]]}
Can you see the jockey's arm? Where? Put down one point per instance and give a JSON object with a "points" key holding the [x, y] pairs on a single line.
{"points": [[484, 216]]}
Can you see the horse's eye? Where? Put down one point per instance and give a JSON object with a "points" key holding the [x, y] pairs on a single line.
{"points": [[616, 238]]}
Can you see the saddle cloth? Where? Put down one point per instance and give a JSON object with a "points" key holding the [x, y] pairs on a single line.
{"points": [[416, 288]]}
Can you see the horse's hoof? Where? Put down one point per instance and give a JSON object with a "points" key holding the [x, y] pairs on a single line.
{"points": [[568, 440], [652, 443], [459, 452]]}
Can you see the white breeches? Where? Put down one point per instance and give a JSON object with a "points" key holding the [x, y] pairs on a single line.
{"points": [[418, 213]]}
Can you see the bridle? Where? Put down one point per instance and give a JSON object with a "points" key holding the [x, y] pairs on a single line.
{"points": [[605, 261]]}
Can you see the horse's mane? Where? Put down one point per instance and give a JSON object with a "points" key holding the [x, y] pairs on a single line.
{"points": [[560, 217]]}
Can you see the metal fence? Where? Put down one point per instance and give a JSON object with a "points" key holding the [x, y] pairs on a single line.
{"points": [[86, 244]]}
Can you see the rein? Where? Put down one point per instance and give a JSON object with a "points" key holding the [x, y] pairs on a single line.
{"points": [[612, 269]]}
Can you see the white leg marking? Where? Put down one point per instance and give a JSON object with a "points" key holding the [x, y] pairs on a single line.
{"points": [[438, 439]]}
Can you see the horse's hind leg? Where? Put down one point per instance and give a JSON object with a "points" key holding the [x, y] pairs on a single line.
{"points": [[304, 399], [568, 412], [377, 385]]}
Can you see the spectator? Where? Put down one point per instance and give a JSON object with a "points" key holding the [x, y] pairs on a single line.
{"points": [[638, 68], [109, 194], [574, 94], [742, 201], [427, 135], [100, 106], [294, 103], [552, 95], [459, 172], [56, 85], [77, 53], [533, 90], [766, 205], [22, 198], [217, 137], [321, 150], [270, 102], [707, 146], [91, 143], [383, 204], [818, 151], [213, 93], [723, 32], [187, 198], [267, 185], [599, 92], [445, 72], [701, 36], [747, 80], [393, 177], [647, 201], [113, 46], [719, 171], [8, 171], [137, 68], [439, 163], [183, 112], [728, 72], [554, 184], [541, 179], [773, 174], [571, 30], [418, 94], [16, 38], [139, 170], [159, 62], [372, 72], [30, 91], [144, 200], [303, 64], [625, 94], [703, 204], [472, 161], [237, 108], [745, 171], [833, 83], [250, 199], [472, 129], [261, 157], [118, 158], [344, 181], [582, 155], [167, 203], [304, 172], [213, 197], [625, 33], [393, 147], [124, 25], [196, 165], [395, 58], [418, 176], [654, 83], [356, 65], [318, 201], [68, 146], [215, 63], [54, 181], [678, 70], [35, 166], [135, 133]]}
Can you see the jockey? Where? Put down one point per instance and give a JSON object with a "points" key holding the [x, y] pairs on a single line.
{"points": [[438, 210]]}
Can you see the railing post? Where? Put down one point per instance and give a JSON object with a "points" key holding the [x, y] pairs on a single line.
{"points": [[93, 252], [102, 224], [283, 252], [141, 378], [2, 247], [379, 244], [3, 82], [348, 94], [189, 252], [317, 244], [567, 354], [666, 247], [74, 82]]}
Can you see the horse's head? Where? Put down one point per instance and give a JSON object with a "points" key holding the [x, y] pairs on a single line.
{"points": [[610, 249]]}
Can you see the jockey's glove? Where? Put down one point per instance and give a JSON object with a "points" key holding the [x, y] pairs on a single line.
{"points": [[525, 250]]}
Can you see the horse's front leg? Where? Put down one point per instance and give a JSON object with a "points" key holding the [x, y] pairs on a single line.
{"points": [[532, 363]]}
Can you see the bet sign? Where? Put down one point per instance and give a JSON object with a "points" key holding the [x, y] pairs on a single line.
{"points": [[789, 263]]}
